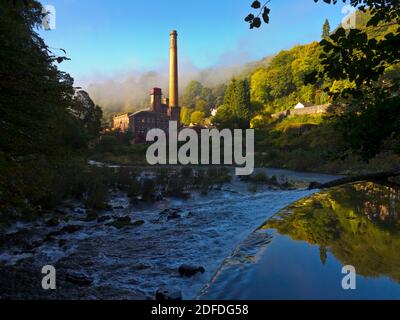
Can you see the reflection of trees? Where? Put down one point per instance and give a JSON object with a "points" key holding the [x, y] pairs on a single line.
{"points": [[359, 224], [381, 204]]}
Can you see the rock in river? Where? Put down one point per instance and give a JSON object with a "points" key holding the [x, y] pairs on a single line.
{"points": [[138, 223], [173, 214], [189, 271], [78, 278], [164, 294], [121, 222], [71, 228], [53, 222], [104, 218]]}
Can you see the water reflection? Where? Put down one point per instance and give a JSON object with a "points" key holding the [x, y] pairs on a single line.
{"points": [[312, 239], [359, 224]]}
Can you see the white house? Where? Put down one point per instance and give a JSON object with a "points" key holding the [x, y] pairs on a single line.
{"points": [[302, 105], [299, 106]]}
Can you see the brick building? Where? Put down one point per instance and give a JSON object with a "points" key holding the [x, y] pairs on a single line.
{"points": [[161, 110]]}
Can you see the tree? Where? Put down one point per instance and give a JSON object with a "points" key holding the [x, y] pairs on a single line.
{"points": [[202, 105], [224, 118], [197, 117], [219, 94], [185, 115], [192, 92], [34, 94], [237, 97], [326, 29], [280, 85], [45, 123], [89, 114], [363, 59], [236, 110], [195, 95]]}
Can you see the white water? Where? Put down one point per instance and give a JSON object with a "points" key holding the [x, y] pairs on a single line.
{"points": [[147, 257]]}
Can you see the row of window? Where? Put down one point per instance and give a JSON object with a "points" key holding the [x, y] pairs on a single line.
{"points": [[151, 121]]}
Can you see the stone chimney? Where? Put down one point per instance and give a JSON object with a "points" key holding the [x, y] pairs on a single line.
{"points": [[173, 71], [155, 99], [175, 110]]}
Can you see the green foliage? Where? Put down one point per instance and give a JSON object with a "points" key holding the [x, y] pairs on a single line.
{"points": [[358, 62], [280, 86], [45, 123], [197, 117], [87, 113], [367, 85], [326, 29], [108, 143], [202, 106], [198, 97], [260, 121], [96, 195], [186, 114], [236, 111], [192, 92]]}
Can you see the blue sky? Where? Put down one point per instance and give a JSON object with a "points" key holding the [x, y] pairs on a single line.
{"points": [[111, 36]]}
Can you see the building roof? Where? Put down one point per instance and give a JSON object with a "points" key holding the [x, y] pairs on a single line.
{"points": [[140, 111], [123, 114], [147, 112]]}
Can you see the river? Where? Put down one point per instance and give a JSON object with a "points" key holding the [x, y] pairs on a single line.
{"points": [[134, 261]]}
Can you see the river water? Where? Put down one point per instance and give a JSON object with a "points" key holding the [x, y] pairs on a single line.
{"points": [[306, 250], [135, 261]]}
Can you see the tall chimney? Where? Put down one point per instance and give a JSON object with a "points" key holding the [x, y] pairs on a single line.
{"points": [[173, 69]]}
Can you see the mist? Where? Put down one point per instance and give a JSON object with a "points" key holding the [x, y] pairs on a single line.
{"points": [[129, 91]]}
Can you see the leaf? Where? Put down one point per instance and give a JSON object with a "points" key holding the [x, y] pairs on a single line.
{"points": [[256, 23], [265, 14], [249, 18], [256, 5]]}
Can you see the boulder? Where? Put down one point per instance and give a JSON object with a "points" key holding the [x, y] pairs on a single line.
{"points": [[71, 229], [53, 222], [80, 279], [188, 271], [138, 223], [170, 214], [62, 242], [79, 210], [91, 216], [168, 294], [121, 222], [103, 218]]}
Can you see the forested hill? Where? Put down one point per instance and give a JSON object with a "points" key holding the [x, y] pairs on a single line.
{"points": [[357, 69], [278, 83]]}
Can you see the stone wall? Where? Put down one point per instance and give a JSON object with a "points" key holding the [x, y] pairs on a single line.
{"points": [[310, 110], [301, 112]]}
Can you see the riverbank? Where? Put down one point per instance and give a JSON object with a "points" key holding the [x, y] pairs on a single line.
{"points": [[296, 154]]}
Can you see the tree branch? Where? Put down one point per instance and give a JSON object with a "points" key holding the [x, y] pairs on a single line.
{"points": [[379, 177]]}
